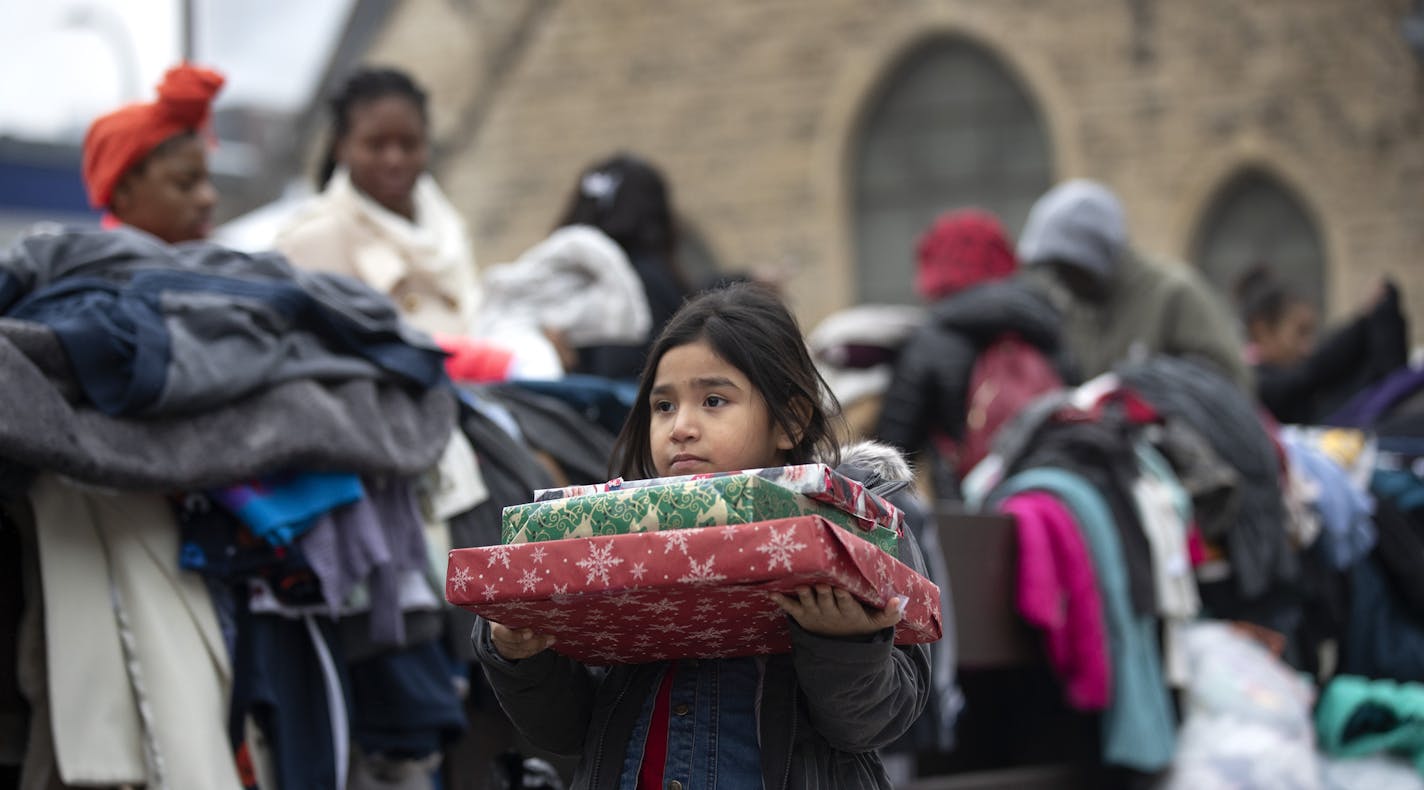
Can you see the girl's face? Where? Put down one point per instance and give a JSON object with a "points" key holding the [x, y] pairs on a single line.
{"points": [[707, 417], [385, 150], [1290, 339], [170, 194]]}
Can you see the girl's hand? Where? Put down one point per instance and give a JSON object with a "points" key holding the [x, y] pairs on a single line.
{"points": [[828, 611], [514, 645]]}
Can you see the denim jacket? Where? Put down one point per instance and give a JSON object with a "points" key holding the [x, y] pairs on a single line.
{"points": [[711, 729]]}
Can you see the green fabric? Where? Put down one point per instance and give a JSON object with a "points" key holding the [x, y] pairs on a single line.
{"points": [[1163, 308], [736, 499], [1399, 705]]}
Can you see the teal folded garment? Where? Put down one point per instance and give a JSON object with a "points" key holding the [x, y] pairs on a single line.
{"points": [[1400, 486], [1358, 716], [281, 508]]}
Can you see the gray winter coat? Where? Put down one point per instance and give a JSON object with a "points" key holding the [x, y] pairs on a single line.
{"points": [[824, 709], [217, 324]]}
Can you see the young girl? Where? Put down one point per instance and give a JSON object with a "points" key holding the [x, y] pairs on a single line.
{"points": [[729, 386]]}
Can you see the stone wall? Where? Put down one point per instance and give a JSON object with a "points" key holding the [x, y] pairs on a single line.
{"points": [[752, 108]]}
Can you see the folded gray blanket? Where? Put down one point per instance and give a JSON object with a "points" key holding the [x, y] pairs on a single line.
{"points": [[156, 329], [366, 426]]}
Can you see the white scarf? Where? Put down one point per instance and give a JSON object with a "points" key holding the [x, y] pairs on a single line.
{"points": [[436, 245]]}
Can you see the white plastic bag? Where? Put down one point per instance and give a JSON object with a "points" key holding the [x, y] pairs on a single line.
{"points": [[1247, 717]]}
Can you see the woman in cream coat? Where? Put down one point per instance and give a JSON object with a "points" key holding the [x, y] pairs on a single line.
{"points": [[380, 216]]}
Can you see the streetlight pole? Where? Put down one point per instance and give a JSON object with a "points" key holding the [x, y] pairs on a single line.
{"points": [[185, 29]]}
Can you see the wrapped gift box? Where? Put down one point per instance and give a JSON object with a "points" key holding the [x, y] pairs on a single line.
{"points": [[621, 507], [688, 593]]}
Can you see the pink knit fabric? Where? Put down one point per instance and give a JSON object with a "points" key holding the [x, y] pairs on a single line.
{"points": [[1058, 593]]}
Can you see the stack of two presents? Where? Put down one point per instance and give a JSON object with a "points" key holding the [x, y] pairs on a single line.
{"points": [[683, 567]]}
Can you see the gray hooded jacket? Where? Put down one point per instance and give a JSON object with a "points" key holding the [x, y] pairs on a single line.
{"points": [[1148, 307]]}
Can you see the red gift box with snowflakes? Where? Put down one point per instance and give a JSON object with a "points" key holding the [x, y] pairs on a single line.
{"points": [[688, 593]]}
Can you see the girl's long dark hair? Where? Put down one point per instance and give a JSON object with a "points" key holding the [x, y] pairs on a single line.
{"points": [[748, 326], [367, 84]]}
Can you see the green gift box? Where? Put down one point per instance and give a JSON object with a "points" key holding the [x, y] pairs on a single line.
{"points": [[710, 502]]}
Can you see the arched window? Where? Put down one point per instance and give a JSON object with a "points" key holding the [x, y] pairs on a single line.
{"points": [[1255, 219], [950, 127]]}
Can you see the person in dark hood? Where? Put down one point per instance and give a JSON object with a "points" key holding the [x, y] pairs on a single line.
{"points": [[1121, 305], [966, 267]]}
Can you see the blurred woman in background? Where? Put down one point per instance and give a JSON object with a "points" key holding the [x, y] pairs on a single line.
{"points": [[1300, 380], [380, 216]]}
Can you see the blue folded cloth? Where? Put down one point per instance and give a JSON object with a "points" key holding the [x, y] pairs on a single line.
{"points": [[281, 508]]}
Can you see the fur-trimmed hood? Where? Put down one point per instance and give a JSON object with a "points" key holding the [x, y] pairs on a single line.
{"points": [[881, 468], [884, 461]]}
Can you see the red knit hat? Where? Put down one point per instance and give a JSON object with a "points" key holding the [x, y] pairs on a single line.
{"points": [[962, 249], [118, 141]]}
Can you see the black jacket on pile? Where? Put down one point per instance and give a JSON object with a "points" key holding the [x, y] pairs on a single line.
{"points": [[1199, 394], [929, 391]]}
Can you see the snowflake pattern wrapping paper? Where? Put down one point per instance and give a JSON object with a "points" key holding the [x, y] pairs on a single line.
{"points": [[690, 593], [621, 507]]}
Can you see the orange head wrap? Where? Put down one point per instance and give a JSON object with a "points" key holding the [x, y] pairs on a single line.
{"points": [[118, 141]]}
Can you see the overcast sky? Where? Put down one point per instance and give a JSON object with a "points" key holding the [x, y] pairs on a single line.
{"points": [[64, 62]]}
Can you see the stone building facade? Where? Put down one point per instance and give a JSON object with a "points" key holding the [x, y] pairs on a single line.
{"points": [[1277, 127]]}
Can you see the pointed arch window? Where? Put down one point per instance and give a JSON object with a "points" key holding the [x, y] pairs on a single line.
{"points": [[1255, 218], [949, 127]]}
